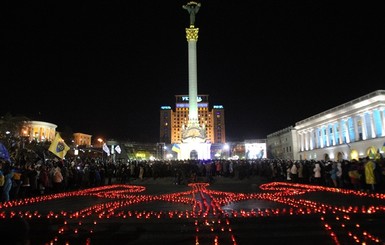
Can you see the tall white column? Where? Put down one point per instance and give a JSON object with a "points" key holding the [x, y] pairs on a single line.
{"points": [[346, 128], [340, 135], [372, 125], [335, 134], [311, 132], [363, 127], [307, 140], [382, 113], [192, 38], [355, 123], [322, 136], [301, 141]]}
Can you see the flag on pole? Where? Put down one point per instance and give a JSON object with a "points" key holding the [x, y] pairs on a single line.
{"points": [[4, 154], [175, 148], [106, 149], [59, 147], [117, 149]]}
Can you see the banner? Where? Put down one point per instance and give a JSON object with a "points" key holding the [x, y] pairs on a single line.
{"points": [[106, 149], [117, 149], [59, 147]]}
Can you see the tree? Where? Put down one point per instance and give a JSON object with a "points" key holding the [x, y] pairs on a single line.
{"points": [[10, 128], [11, 125]]}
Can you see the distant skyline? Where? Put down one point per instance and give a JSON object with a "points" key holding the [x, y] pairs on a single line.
{"points": [[106, 68]]}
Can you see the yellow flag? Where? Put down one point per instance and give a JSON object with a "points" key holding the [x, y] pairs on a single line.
{"points": [[176, 148], [58, 146]]}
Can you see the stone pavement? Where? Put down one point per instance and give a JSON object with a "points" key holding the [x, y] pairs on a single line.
{"points": [[228, 211]]}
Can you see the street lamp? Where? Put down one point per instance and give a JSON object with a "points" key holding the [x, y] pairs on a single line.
{"points": [[100, 140]]}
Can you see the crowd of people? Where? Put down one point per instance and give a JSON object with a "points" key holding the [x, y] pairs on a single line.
{"points": [[26, 178]]}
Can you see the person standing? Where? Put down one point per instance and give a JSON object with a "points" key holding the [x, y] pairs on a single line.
{"points": [[354, 176], [370, 178], [2, 178], [333, 174], [8, 174], [57, 180], [340, 180], [141, 171], [317, 173], [294, 172], [43, 180]]}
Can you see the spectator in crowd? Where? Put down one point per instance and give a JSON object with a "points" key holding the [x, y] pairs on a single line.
{"points": [[355, 176], [7, 172], [317, 173], [370, 178], [57, 179]]}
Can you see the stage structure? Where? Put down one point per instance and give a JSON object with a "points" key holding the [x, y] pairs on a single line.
{"points": [[195, 144]]}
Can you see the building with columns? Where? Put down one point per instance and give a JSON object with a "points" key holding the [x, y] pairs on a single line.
{"points": [[38, 131], [352, 130]]}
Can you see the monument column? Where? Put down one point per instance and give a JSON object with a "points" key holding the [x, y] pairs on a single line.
{"points": [[194, 141], [194, 131], [192, 38]]}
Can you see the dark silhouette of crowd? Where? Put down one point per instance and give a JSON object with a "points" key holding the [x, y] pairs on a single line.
{"points": [[26, 178]]}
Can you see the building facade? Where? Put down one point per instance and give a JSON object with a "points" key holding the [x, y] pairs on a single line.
{"points": [[282, 144], [352, 130], [173, 122], [82, 139], [39, 131]]}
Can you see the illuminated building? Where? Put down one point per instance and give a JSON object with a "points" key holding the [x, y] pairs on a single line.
{"points": [[39, 131], [280, 144], [82, 139], [44, 131], [172, 122], [352, 130]]}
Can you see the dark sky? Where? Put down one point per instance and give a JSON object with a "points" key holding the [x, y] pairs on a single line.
{"points": [[105, 67]]}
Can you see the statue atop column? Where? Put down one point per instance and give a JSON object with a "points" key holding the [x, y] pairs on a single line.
{"points": [[192, 8]]}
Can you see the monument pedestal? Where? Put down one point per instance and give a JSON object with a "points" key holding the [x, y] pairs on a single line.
{"points": [[194, 150]]}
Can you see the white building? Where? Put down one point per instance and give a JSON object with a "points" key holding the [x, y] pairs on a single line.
{"points": [[283, 144], [350, 131], [39, 131]]}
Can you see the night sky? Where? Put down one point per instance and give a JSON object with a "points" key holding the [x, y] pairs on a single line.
{"points": [[106, 67]]}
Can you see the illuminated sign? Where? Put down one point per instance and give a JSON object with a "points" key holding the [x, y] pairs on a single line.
{"points": [[218, 107], [165, 107], [185, 98]]}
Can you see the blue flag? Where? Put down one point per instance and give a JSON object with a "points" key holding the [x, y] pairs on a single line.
{"points": [[4, 153]]}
